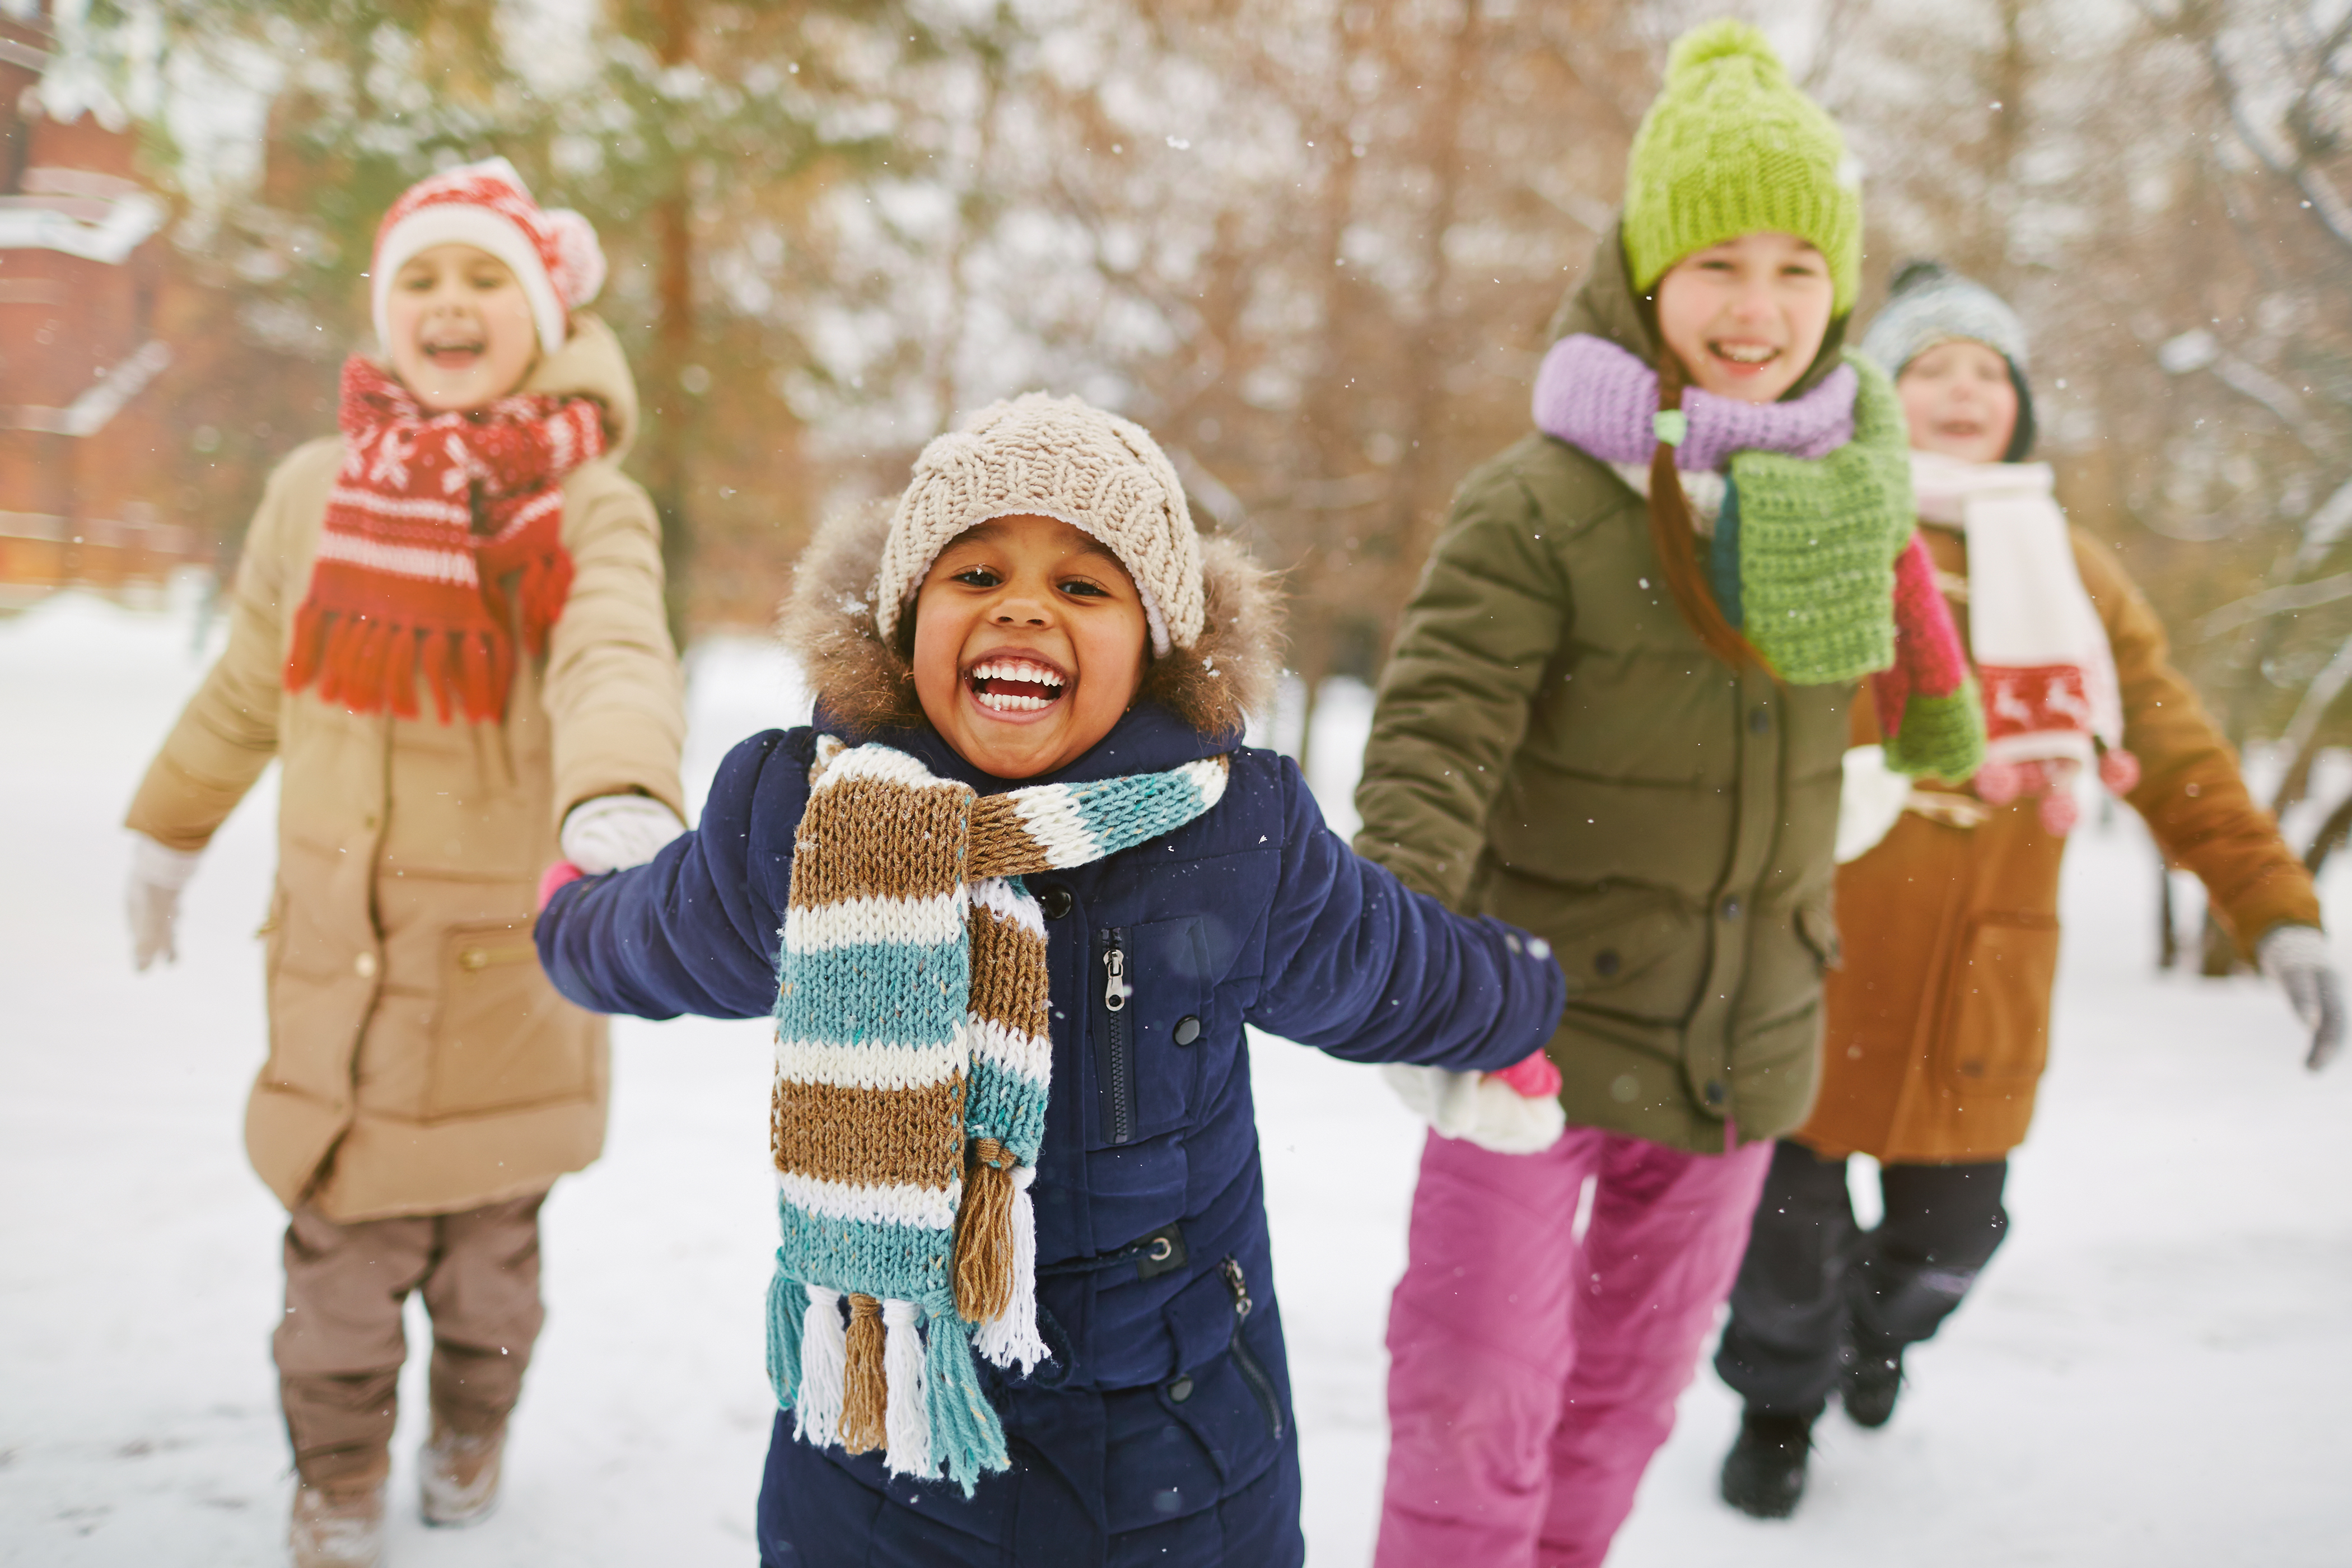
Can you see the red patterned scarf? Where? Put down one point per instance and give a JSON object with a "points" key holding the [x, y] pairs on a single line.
{"points": [[440, 529]]}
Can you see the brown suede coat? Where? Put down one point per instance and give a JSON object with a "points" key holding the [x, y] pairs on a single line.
{"points": [[1939, 1023], [419, 1062]]}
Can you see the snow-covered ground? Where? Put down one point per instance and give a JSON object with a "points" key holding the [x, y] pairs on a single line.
{"points": [[2154, 1372]]}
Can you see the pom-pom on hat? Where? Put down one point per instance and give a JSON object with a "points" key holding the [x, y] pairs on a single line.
{"points": [[1928, 303], [1060, 458], [1733, 147], [552, 254]]}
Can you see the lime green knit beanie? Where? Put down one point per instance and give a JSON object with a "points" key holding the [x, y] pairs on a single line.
{"points": [[1732, 147]]}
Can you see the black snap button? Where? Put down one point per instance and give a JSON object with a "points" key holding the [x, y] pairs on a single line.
{"points": [[1731, 909], [1056, 899], [1188, 1029], [1605, 962], [1714, 1091], [1760, 720], [1181, 1389]]}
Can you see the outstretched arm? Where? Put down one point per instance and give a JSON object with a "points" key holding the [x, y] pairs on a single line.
{"points": [[697, 928], [1364, 968]]}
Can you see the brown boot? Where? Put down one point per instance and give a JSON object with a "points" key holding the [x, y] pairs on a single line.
{"points": [[337, 1527], [460, 1477]]}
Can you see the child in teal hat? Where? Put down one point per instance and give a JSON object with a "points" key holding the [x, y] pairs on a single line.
{"points": [[1615, 716]]}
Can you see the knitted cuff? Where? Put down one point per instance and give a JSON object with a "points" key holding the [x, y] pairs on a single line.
{"points": [[1940, 737]]}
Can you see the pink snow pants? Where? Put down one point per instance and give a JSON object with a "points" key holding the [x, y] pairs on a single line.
{"points": [[1531, 1375]]}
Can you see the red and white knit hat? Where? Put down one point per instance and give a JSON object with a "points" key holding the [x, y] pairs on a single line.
{"points": [[554, 254]]}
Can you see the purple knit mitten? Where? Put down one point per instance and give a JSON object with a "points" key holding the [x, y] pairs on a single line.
{"points": [[1597, 397]]}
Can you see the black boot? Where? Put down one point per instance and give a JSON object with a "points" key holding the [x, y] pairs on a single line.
{"points": [[1868, 1384], [1764, 1474]]}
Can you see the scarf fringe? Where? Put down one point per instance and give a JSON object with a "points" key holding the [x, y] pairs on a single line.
{"points": [[369, 664], [824, 1357]]}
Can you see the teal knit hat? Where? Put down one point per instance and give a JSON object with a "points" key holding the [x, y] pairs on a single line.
{"points": [[1732, 147]]}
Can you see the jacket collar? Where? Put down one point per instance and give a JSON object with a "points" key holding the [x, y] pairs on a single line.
{"points": [[1148, 739]]}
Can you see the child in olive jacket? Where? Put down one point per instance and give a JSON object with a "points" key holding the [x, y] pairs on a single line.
{"points": [[1614, 715], [1029, 887]]}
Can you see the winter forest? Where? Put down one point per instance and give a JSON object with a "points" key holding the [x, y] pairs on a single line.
{"points": [[1314, 246]]}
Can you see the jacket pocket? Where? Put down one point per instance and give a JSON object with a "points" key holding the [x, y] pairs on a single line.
{"points": [[1224, 1390], [1999, 1029], [502, 1038], [1627, 951], [1817, 925], [1151, 1028]]}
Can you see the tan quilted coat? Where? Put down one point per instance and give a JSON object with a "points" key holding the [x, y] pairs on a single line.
{"points": [[419, 1062]]}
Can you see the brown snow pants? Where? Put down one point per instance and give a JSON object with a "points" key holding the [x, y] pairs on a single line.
{"points": [[340, 1347]]}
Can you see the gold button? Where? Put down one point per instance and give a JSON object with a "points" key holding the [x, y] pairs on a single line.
{"points": [[365, 964]]}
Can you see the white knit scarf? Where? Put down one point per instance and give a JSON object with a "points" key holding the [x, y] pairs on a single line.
{"points": [[2040, 648]]}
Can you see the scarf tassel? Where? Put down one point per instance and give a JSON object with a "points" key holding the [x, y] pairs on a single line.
{"points": [[785, 1314], [1010, 1337], [825, 1356], [984, 1234], [907, 1415], [967, 1436], [864, 1395]]}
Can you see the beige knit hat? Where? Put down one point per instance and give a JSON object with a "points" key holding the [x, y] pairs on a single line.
{"points": [[1060, 458]]}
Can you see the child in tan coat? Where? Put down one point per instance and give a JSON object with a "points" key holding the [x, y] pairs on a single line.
{"points": [[447, 628]]}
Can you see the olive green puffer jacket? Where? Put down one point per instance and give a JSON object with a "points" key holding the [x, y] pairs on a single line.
{"points": [[1554, 746]]}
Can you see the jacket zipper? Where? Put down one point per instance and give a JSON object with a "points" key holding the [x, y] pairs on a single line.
{"points": [[1253, 1370], [1118, 1076]]}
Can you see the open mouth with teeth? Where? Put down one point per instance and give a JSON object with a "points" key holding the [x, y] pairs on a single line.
{"points": [[456, 350], [1016, 685], [1746, 356]]}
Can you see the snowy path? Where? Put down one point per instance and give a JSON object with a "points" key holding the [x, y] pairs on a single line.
{"points": [[2153, 1372]]}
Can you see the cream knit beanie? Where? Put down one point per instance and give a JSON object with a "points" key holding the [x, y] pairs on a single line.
{"points": [[1060, 458]]}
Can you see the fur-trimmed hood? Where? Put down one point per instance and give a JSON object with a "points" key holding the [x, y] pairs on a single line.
{"points": [[867, 686]]}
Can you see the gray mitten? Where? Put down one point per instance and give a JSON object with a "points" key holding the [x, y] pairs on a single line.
{"points": [[2297, 957]]}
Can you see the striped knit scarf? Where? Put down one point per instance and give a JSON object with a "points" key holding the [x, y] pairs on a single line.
{"points": [[430, 516], [914, 1053]]}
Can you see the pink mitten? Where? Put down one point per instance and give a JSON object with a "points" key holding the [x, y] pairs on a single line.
{"points": [[1535, 1077], [2118, 770], [556, 876]]}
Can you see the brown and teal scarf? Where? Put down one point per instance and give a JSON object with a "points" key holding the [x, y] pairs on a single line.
{"points": [[914, 1055]]}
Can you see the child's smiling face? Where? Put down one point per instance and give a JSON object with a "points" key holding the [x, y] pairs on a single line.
{"points": [[461, 327], [1747, 317], [1029, 644], [1959, 400]]}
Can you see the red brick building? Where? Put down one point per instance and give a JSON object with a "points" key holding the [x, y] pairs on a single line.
{"points": [[82, 259]]}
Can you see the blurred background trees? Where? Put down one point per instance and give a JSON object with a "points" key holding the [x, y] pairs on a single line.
{"points": [[1312, 244]]}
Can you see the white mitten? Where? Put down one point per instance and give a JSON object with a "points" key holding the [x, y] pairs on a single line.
{"points": [[1870, 802], [152, 899], [614, 832], [2297, 957], [1478, 1107]]}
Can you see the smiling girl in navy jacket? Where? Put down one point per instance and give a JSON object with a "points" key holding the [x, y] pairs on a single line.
{"points": [[1011, 898]]}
